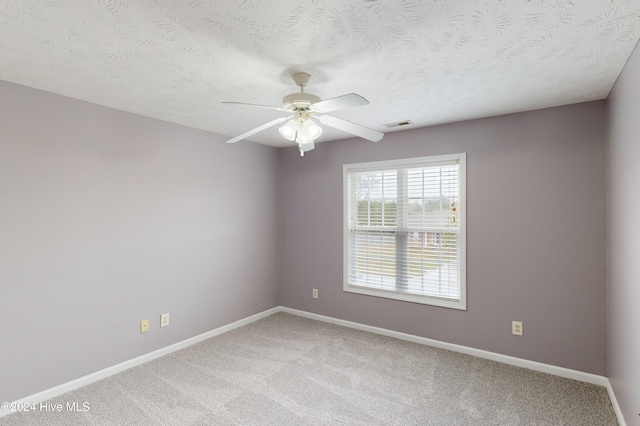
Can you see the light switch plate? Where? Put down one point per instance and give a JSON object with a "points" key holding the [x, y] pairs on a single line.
{"points": [[164, 320]]}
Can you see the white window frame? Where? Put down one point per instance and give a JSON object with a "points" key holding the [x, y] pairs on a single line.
{"points": [[460, 304]]}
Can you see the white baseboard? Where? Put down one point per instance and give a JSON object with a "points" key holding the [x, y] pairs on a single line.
{"points": [[616, 406], [110, 371], [505, 359]]}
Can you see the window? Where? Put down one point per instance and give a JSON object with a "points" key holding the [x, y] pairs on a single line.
{"points": [[404, 232]]}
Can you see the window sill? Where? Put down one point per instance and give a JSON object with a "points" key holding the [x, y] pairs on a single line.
{"points": [[407, 297]]}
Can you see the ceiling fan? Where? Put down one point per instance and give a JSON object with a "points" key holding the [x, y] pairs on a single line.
{"points": [[302, 107]]}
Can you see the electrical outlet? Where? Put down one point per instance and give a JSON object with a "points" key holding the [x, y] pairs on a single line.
{"points": [[315, 293], [144, 326], [516, 328], [164, 320]]}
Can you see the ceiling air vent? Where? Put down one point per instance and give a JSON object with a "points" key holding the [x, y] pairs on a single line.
{"points": [[398, 124]]}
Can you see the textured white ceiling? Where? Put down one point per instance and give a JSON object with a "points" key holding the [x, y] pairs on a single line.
{"points": [[430, 62]]}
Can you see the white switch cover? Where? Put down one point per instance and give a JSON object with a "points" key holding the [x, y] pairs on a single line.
{"points": [[164, 320]]}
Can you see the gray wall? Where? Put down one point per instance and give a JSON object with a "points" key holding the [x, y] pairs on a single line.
{"points": [[107, 218], [623, 212], [535, 228]]}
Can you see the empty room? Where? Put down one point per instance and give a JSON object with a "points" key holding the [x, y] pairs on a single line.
{"points": [[366, 212]]}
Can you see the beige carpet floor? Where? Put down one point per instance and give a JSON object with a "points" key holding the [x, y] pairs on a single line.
{"points": [[288, 370]]}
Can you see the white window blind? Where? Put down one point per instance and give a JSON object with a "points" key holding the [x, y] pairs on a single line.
{"points": [[405, 229]]}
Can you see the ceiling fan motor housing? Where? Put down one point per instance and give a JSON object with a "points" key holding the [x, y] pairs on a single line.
{"points": [[299, 101]]}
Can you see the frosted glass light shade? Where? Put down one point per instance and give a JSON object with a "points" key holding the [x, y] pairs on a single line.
{"points": [[311, 130], [303, 139], [289, 130], [304, 147]]}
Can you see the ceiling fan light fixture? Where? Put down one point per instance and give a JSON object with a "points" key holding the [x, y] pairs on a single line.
{"points": [[303, 139], [289, 130], [307, 146], [311, 129], [308, 132]]}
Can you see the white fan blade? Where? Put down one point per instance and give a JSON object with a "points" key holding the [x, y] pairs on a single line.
{"points": [[258, 129], [353, 128], [341, 102], [257, 106]]}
